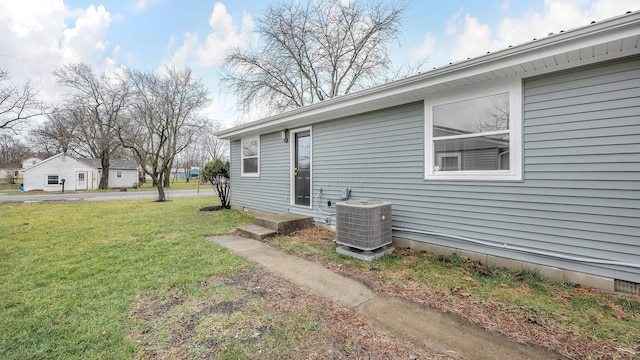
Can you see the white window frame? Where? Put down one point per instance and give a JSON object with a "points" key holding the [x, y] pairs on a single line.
{"points": [[119, 174], [515, 135], [242, 157]]}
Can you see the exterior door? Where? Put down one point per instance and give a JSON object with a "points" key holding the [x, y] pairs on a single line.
{"points": [[302, 168], [81, 181]]}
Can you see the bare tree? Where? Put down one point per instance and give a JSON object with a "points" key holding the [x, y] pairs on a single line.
{"points": [[17, 105], [13, 150], [211, 146], [495, 116], [97, 103], [204, 148], [314, 50], [57, 134], [164, 119]]}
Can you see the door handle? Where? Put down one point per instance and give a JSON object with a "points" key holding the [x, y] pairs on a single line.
{"points": [[295, 171]]}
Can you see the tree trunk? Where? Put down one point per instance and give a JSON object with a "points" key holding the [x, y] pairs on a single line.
{"points": [[161, 196], [159, 181], [104, 176], [167, 178]]}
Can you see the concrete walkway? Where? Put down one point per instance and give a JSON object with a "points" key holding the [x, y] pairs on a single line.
{"points": [[437, 331]]}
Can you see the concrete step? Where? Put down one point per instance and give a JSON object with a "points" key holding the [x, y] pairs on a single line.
{"points": [[256, 232], [284, 224]]}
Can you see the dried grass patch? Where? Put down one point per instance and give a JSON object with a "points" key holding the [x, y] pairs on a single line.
{"points": [[261, 316]]}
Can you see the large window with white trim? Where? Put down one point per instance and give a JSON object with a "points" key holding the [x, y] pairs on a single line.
{"points": [[250, 156], [474, 137]]}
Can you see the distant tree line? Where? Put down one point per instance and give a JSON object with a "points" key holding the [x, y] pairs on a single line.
{"points": [[153, 118]]}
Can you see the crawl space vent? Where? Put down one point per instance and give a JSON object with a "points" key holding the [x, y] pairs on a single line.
{"points": [[363, 224], [627, 286]]}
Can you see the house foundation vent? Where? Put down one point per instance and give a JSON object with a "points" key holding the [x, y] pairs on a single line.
{"points": [[363, 224], [627, 286]]}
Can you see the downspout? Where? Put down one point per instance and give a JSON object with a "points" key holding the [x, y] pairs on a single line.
{"points": [[522, 249]]}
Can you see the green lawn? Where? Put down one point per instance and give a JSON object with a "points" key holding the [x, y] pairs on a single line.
{"points": [[127, 279], [138, 279], [70, 272]]}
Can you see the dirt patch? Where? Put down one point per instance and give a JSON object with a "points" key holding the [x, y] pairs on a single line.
{"points": [[254, 314], [213, 208]]}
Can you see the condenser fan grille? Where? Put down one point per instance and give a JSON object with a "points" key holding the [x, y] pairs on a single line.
{"points": [[363, 224]]}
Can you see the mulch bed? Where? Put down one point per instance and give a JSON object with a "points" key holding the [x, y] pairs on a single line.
{"points": [[213, 208]]}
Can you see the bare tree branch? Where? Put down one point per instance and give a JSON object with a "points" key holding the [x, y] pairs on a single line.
{"points": [[18, 105], [59, 133], [97, 103], [165, 118], [13, 150], [313, 50]]}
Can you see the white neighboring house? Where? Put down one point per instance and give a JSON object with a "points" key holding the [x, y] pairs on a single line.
{"points": [[10, 172], [79, 174], [122, 173]]}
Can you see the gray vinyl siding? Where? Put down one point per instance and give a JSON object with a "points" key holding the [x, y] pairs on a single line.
{"points": [[270, 191], [580, 194], [480, 159]]}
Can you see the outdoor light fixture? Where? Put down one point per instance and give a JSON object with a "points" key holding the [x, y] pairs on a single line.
{"points": [[284, 135]]}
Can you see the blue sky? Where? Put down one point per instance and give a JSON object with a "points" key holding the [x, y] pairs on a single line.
{"points": [[40, 35]]}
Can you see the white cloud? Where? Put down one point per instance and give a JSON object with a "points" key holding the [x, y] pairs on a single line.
{"points": [[139, 6], [183, 54], [425, 49], [453, 23], [225, 35], [87, 40], [476, 38], [39, 36]]}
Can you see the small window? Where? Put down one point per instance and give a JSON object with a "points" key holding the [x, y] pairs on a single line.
{"points": [[52, 180], [119, 174], [251, 156], [16, 173], [448, 162], [474, 138]]}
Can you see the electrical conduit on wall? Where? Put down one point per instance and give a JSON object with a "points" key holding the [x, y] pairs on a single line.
{"points": [[522, 249]]}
